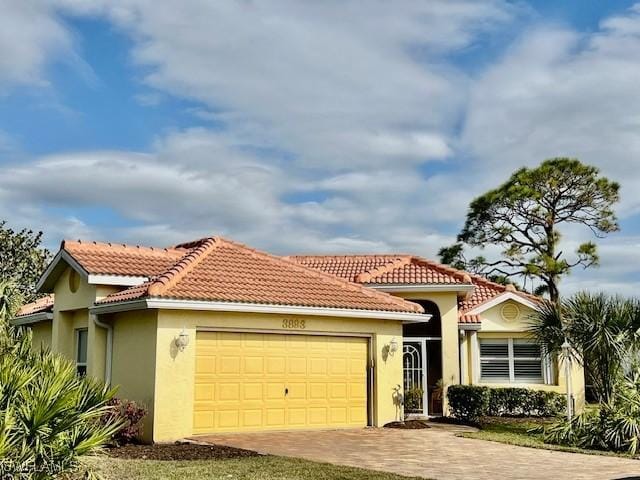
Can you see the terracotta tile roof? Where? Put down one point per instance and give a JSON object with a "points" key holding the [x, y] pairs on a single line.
{"points": [[44, 304], [401, 269], [119, 259], [216, 269], [385, 269]]}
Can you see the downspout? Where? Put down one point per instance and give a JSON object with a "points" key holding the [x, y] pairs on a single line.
{"points": [[109, 353]]}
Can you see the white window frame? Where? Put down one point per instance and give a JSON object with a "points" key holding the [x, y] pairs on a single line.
{"points": [[79, 364], [511, 359]]}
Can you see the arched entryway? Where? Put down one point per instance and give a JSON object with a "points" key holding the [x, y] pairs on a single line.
{"points": [[422, 362]]}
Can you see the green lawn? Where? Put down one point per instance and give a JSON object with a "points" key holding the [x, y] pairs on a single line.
{"points": [[520, 431], [249, 468]]}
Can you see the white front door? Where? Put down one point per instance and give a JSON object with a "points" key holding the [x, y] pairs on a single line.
{"points": [[414, 360]]}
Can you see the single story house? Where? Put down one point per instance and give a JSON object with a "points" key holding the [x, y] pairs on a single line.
{"points": [[213, 336]]}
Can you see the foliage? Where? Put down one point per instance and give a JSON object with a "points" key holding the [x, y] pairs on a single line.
{"points": [[22, 259], [127, 413], [524, 402], [602, 329], [10, 299], [470, 402], [454, 255], [413, 399], [614, 427], [49, 417], [522, 217]]}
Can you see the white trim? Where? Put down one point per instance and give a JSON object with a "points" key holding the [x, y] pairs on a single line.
{"points": [[475, 357], [172, 304], [118, 280], [32, 318], [470, 326], [425, 287], [503, 297]]}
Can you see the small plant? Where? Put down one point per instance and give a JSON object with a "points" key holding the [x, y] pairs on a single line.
{"points": [[413, 399], [128, 414]]}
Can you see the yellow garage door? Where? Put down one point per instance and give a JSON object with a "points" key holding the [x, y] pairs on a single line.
{"points": [[248, 381]]}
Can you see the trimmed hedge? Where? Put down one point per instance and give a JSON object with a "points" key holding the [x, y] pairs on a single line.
{"points": [[470, 402]]}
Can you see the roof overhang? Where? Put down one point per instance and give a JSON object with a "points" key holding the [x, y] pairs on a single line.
{"points": [[173, 304], [503, 297], [424, 287], [32, 318], [64, 259]]}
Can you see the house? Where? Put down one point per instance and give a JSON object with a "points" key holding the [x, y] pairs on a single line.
{"points": [[213, 336]]}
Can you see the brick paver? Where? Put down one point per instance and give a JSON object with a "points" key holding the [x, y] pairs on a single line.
{"points": [[433, 453]]}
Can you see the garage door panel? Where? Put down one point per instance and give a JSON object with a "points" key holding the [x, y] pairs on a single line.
{"points": [[241, 382]]}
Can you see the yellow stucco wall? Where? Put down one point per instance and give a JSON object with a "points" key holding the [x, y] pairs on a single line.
{"points": [[494, 325], [133, 368], [41, 332], [175, 370]]}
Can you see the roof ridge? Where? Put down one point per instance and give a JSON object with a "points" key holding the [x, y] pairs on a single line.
{"points": [[382, 269], [347, 255], [117, 246], [187, 263], [343, 283], [461, 274]]}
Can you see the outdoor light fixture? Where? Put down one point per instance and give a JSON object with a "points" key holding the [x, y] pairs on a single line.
{"points": [[393, 346], [182, 340], [566, 354]]}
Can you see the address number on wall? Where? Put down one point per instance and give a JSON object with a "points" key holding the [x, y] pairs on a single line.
{"points": [[294, 324]]}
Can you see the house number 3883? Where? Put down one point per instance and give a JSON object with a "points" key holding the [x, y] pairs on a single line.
{"points": [[292, 323]]}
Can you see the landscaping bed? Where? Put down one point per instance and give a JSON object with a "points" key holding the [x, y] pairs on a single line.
{"points": [[178, 451], [409, 425]]}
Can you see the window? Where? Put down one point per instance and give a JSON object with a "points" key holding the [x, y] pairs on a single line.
{"points": [[510, 360], [82, 337]]}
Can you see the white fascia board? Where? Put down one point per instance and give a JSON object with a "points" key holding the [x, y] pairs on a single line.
{"points": [[171, 304], [31, 319], [503, 297], [453, 287], [118, 280], [62, 255]]}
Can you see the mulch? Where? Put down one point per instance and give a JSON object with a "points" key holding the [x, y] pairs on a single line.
{"points": [[178, 451], [409, 425]]}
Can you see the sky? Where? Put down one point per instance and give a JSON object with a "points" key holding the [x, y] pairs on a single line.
{"points": [[311, 127]]}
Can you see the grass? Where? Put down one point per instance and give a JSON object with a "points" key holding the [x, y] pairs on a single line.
{"points": [[521, 432], [248, 468]]}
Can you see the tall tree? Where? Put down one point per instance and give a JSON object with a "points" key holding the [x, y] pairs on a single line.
{"points": [[523, 216], [22, 259]]}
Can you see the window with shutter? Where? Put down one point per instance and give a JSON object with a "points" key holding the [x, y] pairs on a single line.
{"points": [[509, 360]]}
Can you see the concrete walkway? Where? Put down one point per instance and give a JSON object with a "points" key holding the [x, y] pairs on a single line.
{"points": [[433, 453]]}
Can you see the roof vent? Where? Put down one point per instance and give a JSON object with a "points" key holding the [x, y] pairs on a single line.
{"points": [[510, 312]]}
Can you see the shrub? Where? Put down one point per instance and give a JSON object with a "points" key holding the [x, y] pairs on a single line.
{"points": [[49, 416], [127, 413], [470, 402], [615, 426]]}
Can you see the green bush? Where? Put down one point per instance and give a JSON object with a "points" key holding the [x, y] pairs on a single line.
{"points": [[470, 402], [615, 426], [49, 416]]}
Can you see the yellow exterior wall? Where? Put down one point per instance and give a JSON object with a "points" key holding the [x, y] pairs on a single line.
{"points": [[175, 370], [133, 368], [41, 334], [495, 326]]}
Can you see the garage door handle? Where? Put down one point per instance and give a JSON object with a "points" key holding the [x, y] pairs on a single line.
{"points": [[286, 391]]}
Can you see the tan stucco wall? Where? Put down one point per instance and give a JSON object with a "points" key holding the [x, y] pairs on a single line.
{"points": [[175, 370], [133, 368], [41, 332]]}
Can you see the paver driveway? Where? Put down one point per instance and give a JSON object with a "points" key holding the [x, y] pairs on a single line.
{"points": [[433, 453]]}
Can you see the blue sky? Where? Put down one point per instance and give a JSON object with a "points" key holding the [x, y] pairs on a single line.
{"points": [[310, 127]]}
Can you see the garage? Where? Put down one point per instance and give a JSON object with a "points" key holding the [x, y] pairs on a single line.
{"points": [[269, 381]]}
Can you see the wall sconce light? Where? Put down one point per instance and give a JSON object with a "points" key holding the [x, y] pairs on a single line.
{"points": [[393, 346], [182, 340]]}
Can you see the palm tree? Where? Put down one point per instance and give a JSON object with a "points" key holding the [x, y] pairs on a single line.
{"points": [[602, 329]]}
